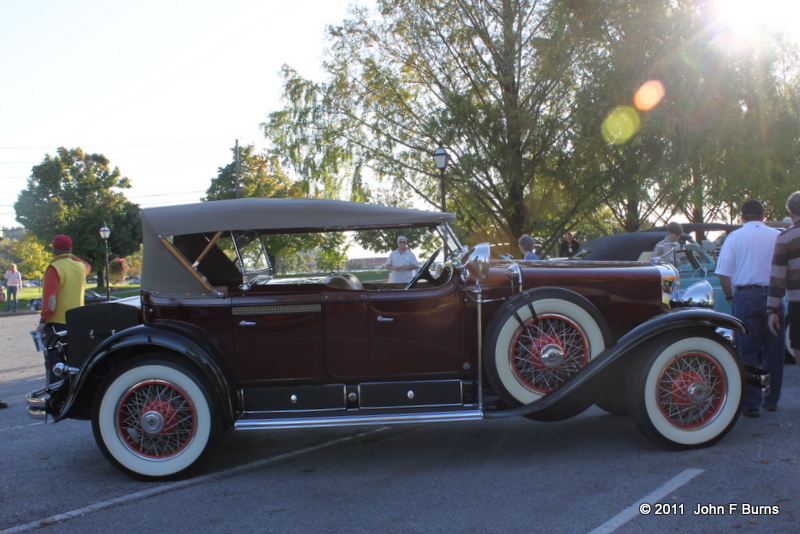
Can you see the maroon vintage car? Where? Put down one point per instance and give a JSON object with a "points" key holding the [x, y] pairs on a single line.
{"points": [[216, 341]]}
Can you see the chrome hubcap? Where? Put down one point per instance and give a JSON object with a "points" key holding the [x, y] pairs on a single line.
{"points": [[552, 356], [152, 422]]}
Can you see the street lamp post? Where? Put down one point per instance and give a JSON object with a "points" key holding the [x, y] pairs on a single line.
{"points": [[105, 233], [442, 159]]}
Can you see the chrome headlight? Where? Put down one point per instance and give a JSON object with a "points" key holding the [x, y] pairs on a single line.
{"points": [[700, 294]]}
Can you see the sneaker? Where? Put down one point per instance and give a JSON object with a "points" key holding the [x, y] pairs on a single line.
{"points": [[3, 405], [752, 412], [771, 407]]}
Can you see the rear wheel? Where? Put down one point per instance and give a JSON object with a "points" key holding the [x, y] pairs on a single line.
{"points": [[687, 391], [155, 418], [529, 356]]}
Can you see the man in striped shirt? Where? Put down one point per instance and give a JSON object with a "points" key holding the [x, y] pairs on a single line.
{"points": [[784, 277]]}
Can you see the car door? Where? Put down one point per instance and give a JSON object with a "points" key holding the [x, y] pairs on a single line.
{"points": [[395, 333], [278, 335]]}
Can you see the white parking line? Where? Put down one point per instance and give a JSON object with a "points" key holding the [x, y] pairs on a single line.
{"points": [[20, 426], [166, 488], [632, 511]]}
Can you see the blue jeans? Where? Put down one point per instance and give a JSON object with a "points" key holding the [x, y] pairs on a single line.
{"points": [[11, 292], [759, 348]]}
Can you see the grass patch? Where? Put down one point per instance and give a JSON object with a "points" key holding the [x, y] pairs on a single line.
{"points": [[25, 294]]}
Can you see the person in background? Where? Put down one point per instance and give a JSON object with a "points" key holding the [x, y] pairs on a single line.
{"points": [[666, 248], [402, 263], [64, 282], [745, 263], [526, 246], [784, 279], [13, 283], [787, 222], [568, 247]]}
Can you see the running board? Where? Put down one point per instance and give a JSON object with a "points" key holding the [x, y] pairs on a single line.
{"points": [[358, 420]]}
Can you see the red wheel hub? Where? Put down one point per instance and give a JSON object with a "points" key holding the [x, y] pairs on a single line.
{"points": [[688, 388], [158, 417]]}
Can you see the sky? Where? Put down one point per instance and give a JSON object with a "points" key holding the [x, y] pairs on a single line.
{"points": [[162, 88]]}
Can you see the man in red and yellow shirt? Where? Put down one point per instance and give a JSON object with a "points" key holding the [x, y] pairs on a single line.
{"points": [[64, 282]]}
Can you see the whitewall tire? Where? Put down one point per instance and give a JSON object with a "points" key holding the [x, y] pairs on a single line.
{"points": [[687, 391], [154, 419]]}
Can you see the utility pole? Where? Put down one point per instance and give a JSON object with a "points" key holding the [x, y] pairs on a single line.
{"points": [[237, 168]]}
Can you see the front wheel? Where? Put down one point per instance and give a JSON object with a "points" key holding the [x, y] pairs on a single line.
{"points": [[687, 391], [154, 419]]}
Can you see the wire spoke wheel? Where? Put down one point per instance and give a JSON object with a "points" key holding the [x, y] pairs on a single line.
{"points": [[156, 419], [692, 390], [548, 352], [685, 389], [539, 341]]}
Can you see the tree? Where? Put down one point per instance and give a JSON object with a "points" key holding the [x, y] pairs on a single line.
{"points": [[33, 256], [493, 80], [260, 176], [74, 193], [520, 91]]}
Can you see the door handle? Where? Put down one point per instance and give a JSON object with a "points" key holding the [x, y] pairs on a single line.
{"points": [[247, 323], [382, 319]]}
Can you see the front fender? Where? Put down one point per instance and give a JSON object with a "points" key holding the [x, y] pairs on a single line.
{"points": [[666, 322], [130, 341]]}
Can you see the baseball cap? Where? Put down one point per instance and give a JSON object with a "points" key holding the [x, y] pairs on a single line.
{"points": [[62, 242], [752, 207]]}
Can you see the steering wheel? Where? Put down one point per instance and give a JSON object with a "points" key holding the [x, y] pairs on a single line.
{"points": [[423, 271]]}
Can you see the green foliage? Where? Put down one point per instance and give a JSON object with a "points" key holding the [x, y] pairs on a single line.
{"points": [[330, 255], [259, 176], [34, 256], [75, 194], [518, 90]]}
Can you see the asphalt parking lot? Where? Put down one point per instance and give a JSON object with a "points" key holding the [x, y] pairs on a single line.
{"points": [[592, 473]]}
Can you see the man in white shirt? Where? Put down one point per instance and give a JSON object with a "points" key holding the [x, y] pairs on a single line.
{"points": [[745, 261], [402, 264]]}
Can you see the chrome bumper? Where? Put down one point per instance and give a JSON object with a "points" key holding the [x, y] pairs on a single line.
{"points": [[37, 404], [40, 401]]}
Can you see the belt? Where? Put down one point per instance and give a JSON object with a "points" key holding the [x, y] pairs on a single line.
{"points": [[743, 288]]}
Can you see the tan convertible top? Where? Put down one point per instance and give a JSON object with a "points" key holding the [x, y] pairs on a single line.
{"points": [[164, 274], [283, 214]]}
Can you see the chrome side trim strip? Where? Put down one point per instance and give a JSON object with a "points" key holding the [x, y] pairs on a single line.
{"points": [[359, 420], [277, 310]]}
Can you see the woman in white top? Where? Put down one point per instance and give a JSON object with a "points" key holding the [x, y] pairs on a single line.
{"points": [[13, 283]]}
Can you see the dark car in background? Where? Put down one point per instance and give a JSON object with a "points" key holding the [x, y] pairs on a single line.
{"points": [[218, 342], [89, 297]]}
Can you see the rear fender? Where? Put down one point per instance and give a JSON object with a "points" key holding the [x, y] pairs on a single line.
{"points": [[136, 340], [672, 320]]}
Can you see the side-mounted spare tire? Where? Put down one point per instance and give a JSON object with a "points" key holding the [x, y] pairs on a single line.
{"points": [[539, 340]]}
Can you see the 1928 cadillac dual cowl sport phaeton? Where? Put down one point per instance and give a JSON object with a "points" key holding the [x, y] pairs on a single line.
{"points": [[217, 342]]}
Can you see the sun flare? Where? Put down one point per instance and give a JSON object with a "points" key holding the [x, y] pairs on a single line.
{"points": [[749, 20]]}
